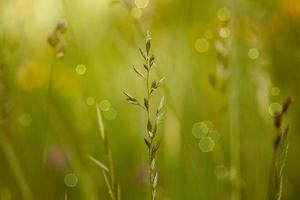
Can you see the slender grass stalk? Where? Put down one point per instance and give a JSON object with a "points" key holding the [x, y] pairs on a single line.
{"points": [[50, 87], [279, 154], [220, 77], [234, 110], [141, 32], [114, 189], [150, 139], [56, 41]]}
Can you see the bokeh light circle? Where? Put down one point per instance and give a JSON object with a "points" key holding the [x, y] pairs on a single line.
{"points": [[275, 109], [71, 180], [202, 45], [206, 144], [81, 69]]}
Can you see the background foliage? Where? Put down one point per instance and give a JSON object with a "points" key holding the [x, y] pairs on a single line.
{"points": [[47, 159]]}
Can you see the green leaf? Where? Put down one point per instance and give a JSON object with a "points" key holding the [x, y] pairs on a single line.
{"points": [[161, 104], [159, 117], [145, 66], [149, 126], [138, 72], [147, 142], [153, 86], [154, 184], [146, 103], [155, 148], [100, 123], [143, 54], [161, 81], [130, 99], [148, 42], [151, 62]]}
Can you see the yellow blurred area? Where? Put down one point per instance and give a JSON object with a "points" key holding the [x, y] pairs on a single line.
{"points": [[32, 76], [290, 7], [228, 66], [21, 7], [66, 82]]}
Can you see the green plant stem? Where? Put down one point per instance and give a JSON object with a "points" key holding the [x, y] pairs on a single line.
{"points": [[234, 112], [151, 139], [109, 175], [109, 186], [111, 170], [151, 129], [50, 83]]}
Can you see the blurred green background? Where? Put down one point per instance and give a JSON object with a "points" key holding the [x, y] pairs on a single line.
{"points": [[44, 158]]}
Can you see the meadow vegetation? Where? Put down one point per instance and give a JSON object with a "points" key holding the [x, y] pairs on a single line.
{"points": [[214, 87]]}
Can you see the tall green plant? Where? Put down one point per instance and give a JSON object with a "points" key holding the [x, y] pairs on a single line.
{"points": [[150, 139], [114, 189], [279, 154]]}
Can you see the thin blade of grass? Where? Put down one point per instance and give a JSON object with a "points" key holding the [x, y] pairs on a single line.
{"points": [[98, 163]]}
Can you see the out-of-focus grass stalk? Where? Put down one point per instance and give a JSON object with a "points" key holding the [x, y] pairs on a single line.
{"points": [[279, 154], [56, 41], [234, 111], [50, 83], [108, 172], [15, 166], [136, 23]]}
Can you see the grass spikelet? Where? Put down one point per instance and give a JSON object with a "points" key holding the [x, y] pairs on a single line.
{"points": [[150, 138], [219, 78], [280, 154], [57, 42]]}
